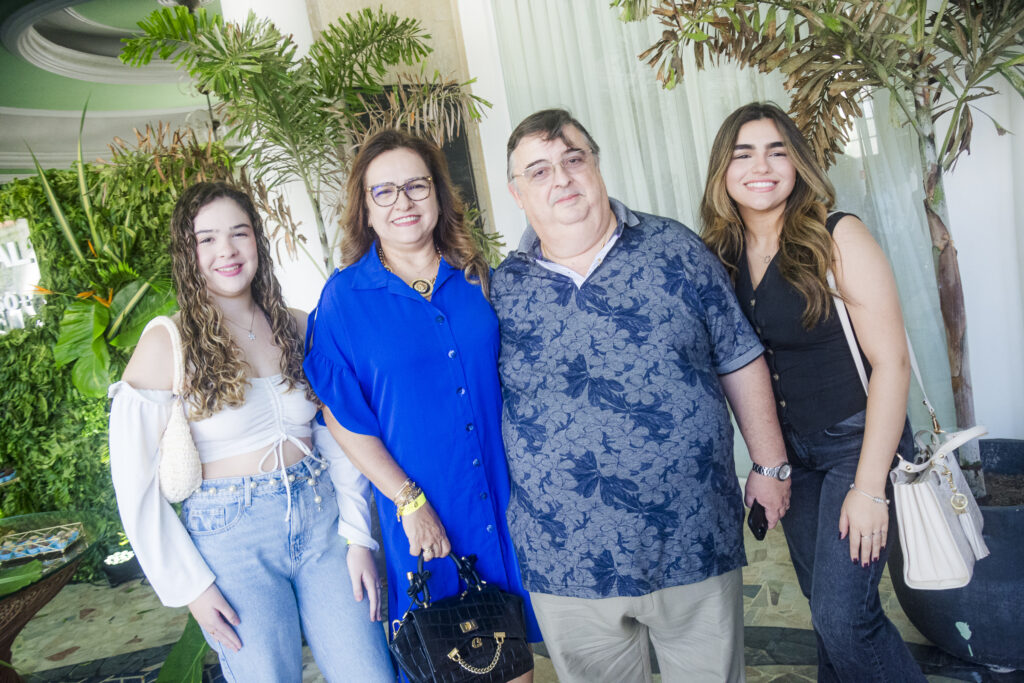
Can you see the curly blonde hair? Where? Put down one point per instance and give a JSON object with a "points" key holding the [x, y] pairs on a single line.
{"points": [[451, 234], [805, 245], [217, 375]]}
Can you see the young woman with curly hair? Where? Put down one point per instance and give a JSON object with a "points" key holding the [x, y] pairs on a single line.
{"points": [[256, 553], [403, 354], [765, 214]]}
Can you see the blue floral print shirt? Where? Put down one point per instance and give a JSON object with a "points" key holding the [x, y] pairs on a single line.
{"points": [[615, 424]]}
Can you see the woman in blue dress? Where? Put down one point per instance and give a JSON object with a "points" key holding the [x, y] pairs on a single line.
{"points": [[403, 351]]}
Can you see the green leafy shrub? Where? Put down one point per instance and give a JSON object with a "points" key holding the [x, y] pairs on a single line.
{"points": [[54, 433]]}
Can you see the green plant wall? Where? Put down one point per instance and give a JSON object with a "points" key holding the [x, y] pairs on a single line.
{"points": [[53, 434]]}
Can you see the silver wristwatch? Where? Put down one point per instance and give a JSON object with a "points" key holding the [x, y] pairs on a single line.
{"points": [[780, 472]]}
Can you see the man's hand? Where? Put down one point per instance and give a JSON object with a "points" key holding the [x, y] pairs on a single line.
{"points": [[216, 617], [771, 493]]}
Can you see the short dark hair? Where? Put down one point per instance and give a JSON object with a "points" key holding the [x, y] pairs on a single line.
{"points": [[549, 124]]}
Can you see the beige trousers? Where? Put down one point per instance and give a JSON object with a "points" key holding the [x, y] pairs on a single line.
{"points": [[697, 632]]}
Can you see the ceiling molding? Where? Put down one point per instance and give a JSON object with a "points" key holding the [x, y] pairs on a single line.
{"points": [[95, 114], [20, 37], [53, 136]]}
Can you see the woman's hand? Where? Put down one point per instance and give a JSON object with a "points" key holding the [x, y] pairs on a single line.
{"points": [[867, 524], [426, 533], [363, 572], [216, 617]]}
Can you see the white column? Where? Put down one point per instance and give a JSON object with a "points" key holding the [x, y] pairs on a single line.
{"points": [[484, 63]]}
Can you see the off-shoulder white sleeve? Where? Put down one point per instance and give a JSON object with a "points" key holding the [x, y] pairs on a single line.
{"points": [[352, 488], [166, 553]]}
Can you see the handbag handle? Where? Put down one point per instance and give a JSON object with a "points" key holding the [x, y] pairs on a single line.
{"points": [[954, 442], [176, 350], [466, 567]]}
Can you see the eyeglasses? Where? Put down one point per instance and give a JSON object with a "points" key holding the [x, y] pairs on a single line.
{"points": [[386, 194], [573, 163]]}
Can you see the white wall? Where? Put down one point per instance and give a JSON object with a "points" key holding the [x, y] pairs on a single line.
{"points": [[986, 205]]}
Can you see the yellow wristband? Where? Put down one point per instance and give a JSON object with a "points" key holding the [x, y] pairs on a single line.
{"points": [[413, 505]]}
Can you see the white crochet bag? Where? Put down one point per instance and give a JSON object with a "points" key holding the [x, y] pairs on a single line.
{"points": [[181, 471]]}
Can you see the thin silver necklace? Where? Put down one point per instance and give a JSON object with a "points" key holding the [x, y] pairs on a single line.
{"points": [[252, 319]]}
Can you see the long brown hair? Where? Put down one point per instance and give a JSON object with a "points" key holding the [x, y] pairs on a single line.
{"points": [[451, 235], [805, 245], [217, 375]]}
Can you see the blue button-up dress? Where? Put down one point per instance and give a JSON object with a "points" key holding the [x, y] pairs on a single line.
{"points": [[422, 376]]}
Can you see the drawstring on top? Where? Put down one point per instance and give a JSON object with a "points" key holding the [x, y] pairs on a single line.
{"points": [[277, 450]]}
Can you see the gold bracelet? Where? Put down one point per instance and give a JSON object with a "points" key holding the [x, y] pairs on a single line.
{"points": [[413, 505], [407, 493], [880, 501], [403, 489]]}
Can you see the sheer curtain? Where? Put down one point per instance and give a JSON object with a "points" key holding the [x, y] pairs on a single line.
{"points": [[655, 144]]}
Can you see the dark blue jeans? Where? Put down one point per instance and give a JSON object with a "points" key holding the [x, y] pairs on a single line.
{"points": [[856, 641]]}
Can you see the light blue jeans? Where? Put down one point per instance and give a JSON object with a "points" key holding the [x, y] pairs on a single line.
{"points": [[285, 579]]}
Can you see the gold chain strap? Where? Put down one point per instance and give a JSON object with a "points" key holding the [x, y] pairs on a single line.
{"points": [[499, 638]]}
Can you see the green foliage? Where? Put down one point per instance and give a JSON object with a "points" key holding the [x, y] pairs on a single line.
{"points": [[490, 243], [299, 118], [113, 261], [184, 663], [934, 57], [55, 437], [54, 433], [17, 577]]}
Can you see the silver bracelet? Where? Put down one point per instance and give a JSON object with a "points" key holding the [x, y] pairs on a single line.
{"points": [[880, 501]]}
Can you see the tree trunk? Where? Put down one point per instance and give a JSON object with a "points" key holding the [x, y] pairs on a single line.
{"points": [[951, 294], [325, 244]]}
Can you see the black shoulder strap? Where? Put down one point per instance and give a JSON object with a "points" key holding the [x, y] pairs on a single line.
{"points": [[833, 220]]}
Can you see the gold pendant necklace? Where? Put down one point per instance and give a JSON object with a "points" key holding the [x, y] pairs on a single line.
{"points": [[422, 286]]}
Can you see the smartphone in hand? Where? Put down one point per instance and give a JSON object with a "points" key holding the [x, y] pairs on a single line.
{"points": [[757, 521]]}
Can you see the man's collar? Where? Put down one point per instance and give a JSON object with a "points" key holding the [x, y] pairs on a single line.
{"points": [[529, 245]]}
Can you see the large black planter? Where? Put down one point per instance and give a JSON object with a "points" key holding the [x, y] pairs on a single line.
{"points": [[982, 622]]}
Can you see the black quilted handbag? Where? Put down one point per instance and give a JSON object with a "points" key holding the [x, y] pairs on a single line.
{"points": [[477, 636]]}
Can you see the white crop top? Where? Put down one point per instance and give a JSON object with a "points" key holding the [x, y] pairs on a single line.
{"points": [[270, 416]]}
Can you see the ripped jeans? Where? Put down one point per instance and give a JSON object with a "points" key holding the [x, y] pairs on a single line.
{"points": [[285, 579]]}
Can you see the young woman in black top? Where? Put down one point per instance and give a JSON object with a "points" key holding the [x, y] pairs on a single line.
{"points": [[765, 213]]}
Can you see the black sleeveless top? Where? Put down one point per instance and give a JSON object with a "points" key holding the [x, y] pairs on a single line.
{"points": [[813, 374]]}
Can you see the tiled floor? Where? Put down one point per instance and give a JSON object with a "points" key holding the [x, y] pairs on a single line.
{"points": [[92, 633]]}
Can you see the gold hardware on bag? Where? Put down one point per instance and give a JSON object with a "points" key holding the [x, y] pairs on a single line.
{"points": [[477, 643], [468, 626], [499, 638], [958, 500]]}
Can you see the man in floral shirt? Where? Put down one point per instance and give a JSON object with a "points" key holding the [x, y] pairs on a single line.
{"points": [[621, 340]]}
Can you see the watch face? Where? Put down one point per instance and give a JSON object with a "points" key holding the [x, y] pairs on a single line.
{"points": [[784, 471]]}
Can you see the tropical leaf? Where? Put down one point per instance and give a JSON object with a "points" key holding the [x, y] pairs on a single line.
{"points": [[82, 325], [91, 372], [184, 663], [57, 210], [17, 577], [134, 306]]}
